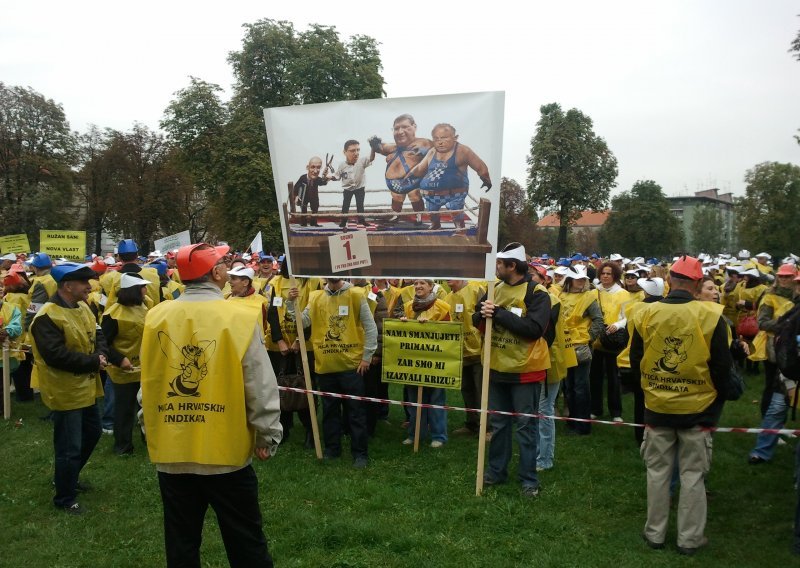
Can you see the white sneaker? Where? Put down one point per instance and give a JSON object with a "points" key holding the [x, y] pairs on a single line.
{"points": [[593, 416], [408, 442], [437, 444], [108, 431], [617, 419]]}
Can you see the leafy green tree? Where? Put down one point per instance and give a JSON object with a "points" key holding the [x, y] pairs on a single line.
{"points": [[93, 185], [708, 230], [570, 168], [37, 152], [641, 223], [767, 214], [517, 220]]}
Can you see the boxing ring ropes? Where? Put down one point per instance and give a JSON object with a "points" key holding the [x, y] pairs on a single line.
{"points": [[378, 211]]}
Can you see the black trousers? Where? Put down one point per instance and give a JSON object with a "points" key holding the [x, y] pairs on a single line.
{"points": [[346, 198], [125, 409], [234, 498]]}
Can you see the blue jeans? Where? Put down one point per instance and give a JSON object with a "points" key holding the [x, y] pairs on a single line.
{"points": [[514, 397], [578, 397], [75, 434], [547, 426], [774, 418], [433, 421], [108, 402], [345, 382]]}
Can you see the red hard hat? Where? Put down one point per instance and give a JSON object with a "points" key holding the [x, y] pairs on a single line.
{"points": [[98, 265], [688, 267], [12, 279], [198, 259], [787, 270]]}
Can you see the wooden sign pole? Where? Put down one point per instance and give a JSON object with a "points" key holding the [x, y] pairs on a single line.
{"points": [[487, 350], [418, 420], [312, 409], [6, 380]]}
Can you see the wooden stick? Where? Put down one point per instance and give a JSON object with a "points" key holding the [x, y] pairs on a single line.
{"points": [[312, 409], [418, 420], [487, 350], [6, 380]]}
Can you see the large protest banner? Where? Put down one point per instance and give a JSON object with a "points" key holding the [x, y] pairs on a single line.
{"points": [[422, 354], [14, 243], [420, 176], [67, 244], [171, 242]]}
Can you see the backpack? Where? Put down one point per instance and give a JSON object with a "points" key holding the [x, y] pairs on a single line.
{"points": [[787, 350]]}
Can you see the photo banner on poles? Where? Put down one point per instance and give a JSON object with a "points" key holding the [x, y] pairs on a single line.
{"points": [[171, 242], [427, 202], [14, 243], [422, 354], [63, 244]]}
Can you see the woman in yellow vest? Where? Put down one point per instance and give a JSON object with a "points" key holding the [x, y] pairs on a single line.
{"points": [[748, 296], [653, 290], [122, 325], [777, 300], [583, 323], [425, 306], [611, 297], [10, 330], [16, 294]]}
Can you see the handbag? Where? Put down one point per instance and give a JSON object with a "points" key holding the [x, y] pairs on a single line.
{"points": [[291, 400], [615, 342], [747, 326]]}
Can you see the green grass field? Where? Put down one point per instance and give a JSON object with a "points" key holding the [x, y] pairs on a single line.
{"points": [[405, 509]]}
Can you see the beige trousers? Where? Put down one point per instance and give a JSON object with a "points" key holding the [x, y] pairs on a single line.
{"points": [[692, 448]]}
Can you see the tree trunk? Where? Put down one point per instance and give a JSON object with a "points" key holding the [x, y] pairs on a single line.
{"points": [[561, 242]]}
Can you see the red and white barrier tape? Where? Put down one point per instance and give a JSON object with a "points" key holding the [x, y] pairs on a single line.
{"points": [[786, 432]]}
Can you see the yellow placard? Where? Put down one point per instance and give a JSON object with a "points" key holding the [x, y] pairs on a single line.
{"points": [[67, 244], [424, 354], [14, 243]]}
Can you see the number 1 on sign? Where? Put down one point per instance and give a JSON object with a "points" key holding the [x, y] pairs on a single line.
{"points": [[346, 245]]}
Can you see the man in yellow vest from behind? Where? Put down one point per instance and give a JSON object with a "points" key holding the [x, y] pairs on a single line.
{"points": [[680, 353], [518, 365], [69, 353], [210, 401]]}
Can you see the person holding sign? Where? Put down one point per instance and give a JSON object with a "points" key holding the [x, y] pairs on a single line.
{"points": [[344, 336], [518, 364], [424, 307], [463, 299], [210, 403]]}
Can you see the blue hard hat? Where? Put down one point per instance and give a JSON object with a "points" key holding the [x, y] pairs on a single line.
{"points": [[594, 255], [262, 256], [161, 267], [127, 246], [40, 260], [563, 262], [544, 256], [71, 271]]}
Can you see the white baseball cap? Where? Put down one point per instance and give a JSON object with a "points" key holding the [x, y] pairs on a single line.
{"points": [[242, 271], [652, 286], [129, 280], [516, 253]]}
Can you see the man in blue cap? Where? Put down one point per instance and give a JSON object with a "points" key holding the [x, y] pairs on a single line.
{"points": [[69, 351], [128, 252]]}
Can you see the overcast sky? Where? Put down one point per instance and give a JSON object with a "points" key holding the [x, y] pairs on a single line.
{"points": [[690, 94]]}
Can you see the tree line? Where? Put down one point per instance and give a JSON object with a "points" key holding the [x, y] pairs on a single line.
{"points": [[208, 168]]}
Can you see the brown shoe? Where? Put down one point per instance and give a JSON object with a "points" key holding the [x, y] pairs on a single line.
{"points": [[464, 431], [686, 551]]}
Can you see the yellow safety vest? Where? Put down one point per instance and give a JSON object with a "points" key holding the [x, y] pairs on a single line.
{"points": [[50, 286], [611, 304], [439, 311], [576, 325], [21, 301], [511, 353], [561, 358], [624, 358], [110, 283], [193, 383], [6, 313], [336, 332], [65, 390], [130, 324], [462, 306], [172, 290], [674, 369], [762, 348], [258, 302]]}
